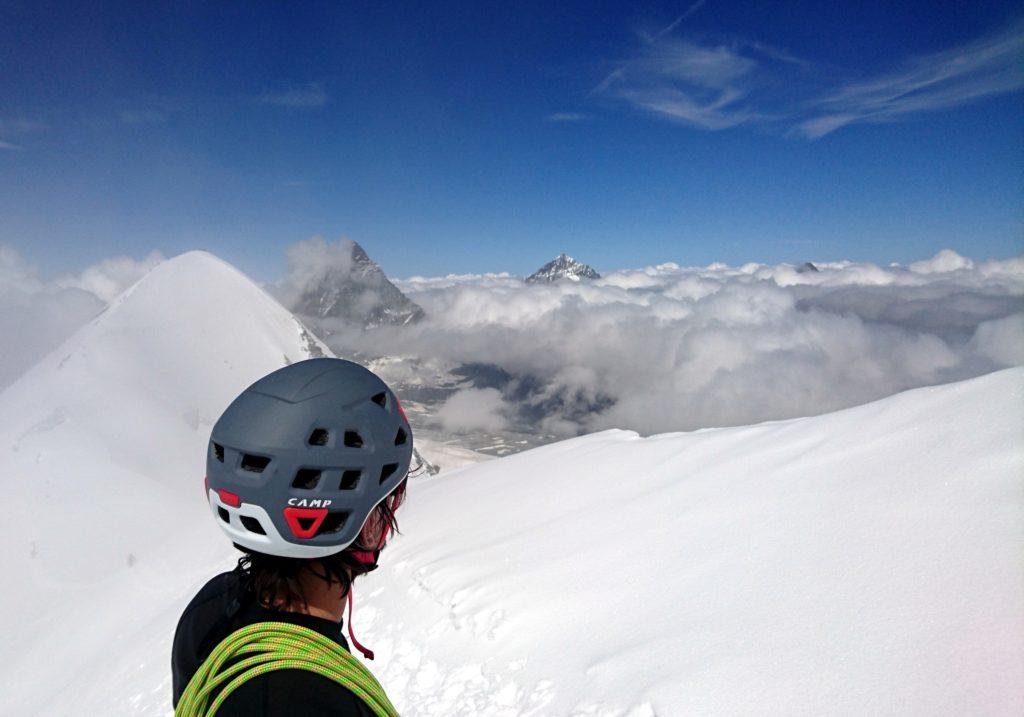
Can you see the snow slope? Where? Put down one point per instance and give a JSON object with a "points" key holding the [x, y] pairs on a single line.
{"points": [[865, 561], [861, 562]]}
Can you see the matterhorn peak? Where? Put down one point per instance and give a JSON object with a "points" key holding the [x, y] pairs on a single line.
{"points": [[563, 266], [348, 285]]}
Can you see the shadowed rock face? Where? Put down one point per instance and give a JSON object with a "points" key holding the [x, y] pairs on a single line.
{"points": [[360, 294], [806, 268], [562, 267]]}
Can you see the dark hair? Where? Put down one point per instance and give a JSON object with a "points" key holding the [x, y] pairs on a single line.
{"points": [[275, 581]]}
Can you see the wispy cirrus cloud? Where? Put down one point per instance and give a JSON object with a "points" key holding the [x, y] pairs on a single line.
{"points": [[983, 68], [309, 96], [723, 85], [9, 145], [709, 87]]}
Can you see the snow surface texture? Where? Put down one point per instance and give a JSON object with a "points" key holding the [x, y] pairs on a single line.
{"points": [[860, 562]]}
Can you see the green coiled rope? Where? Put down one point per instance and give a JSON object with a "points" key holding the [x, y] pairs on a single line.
{"points": [[276, 646]]}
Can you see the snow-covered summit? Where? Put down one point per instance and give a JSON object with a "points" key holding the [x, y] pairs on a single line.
{"points": [[563, 266], [356, 291], [135, 391], [102, 451]]}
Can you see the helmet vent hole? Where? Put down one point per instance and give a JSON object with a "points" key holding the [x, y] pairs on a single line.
{"points": [[350, 479], [306, 478], [381, 399], [401, 437], [306, 523], [223, 513], [218, 451], [333, 523], [319, 437], [254, 464], [252, 525], [387, 470], [353, 439]]}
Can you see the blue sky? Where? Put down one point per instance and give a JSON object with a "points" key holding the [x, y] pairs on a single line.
{"points": [[491, 136]]}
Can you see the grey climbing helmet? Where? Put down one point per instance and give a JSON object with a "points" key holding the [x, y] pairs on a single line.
{"points": [[301, 458]]}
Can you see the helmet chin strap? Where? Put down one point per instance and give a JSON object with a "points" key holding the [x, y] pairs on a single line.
{"points": [[369, 560], [367, 652]]}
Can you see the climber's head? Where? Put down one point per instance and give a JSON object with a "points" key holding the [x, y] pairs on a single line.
{"points": [[309, 464]]}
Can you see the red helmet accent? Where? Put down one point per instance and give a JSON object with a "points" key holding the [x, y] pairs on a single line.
{"points": [[401, 410], [229, 498], [304, 522]]}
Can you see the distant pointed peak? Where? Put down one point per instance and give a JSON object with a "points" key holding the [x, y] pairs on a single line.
{"points": [[356, 290], [563, 266], [359, 254]]}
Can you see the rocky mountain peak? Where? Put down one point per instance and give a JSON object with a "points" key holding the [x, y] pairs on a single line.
{"points": [[563, 266], [357, 292]]}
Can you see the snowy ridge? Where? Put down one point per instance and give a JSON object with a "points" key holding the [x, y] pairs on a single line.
{"points": [[102, 451]]}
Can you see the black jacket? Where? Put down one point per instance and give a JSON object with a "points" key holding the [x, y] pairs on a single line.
{"points": [[219, 609]]}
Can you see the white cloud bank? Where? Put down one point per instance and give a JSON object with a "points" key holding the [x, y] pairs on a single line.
{"points": [[673, 348], [1001, 340], [108, 278], [473, 409], [36, 315], [655, 349]]}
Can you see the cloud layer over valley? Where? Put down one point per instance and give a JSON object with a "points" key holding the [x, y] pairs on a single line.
{"points": [[656, 349], [676, 348]]}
